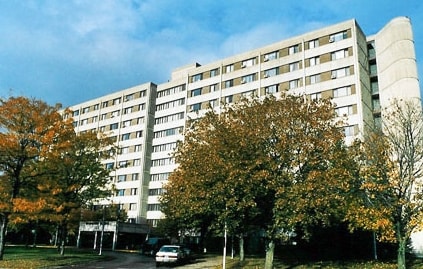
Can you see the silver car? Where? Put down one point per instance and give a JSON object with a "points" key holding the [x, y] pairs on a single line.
{"points": [[169, 254]]}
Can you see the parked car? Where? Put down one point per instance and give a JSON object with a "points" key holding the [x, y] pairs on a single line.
{"points": [[153, 244], [187, 251], [170, 254]]}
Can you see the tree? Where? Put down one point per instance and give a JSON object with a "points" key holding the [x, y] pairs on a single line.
{"points": [[75, 177], [28, 128], [389, 186], [279, 163]]}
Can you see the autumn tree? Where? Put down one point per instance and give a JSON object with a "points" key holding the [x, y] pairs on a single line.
{"points": [[28, 128], [277, 163], [388, 190], [75, 178]]}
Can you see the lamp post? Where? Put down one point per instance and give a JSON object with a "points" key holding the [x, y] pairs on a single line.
{"points": [[224, 249]]}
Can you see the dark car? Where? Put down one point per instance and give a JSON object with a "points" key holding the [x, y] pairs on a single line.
{"points": [[152, 245]]}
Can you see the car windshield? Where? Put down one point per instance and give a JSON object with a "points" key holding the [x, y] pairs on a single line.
{"points": [[169, 249]]}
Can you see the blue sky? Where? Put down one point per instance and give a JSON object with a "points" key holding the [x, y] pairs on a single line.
{"points": [[75, 50]]}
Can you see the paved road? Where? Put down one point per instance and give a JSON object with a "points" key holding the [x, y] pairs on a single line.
{"points": [[123, 260]]}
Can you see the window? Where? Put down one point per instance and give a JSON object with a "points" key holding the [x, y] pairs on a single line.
{"points": [[314, 61], [123, 164], [159, 177], [105, 104], [129, 97], [124, 150], [229, 83], [229, 68], [196, 92], [293, 84], [84, 121], [338, 36], [344, 111], [170, 91], [143, 93], [214, 72], [171, 104], [340, 72], [349, 131], [114, 126], [133, 206], [142, 107], [197, 77], [339, 54], [248, 94], [168, 132], [155, 192], [294, 49], [214, 87], [214, 103], [196, 107], [75, 113], [140, 120], [134, 191], [247, 79], [271, 72], [138, 134], [102, 129], [344, 91], [85, 110], [316, 96], [272, 89], [109, 166], [137, 162], [138, 148], [313, 43], [375, 87], [294, 66], [96, 106], [121, 178], [228, 99], [376, 104], [120, 192], [94, 119], [116, 101], [271, 56], [315, 79], [249, 62], [134, 177], [125, 137], [153, 207], [114, 114], [162, 162], [127, 110], [103, 116], [373, 69], [126, 123]]}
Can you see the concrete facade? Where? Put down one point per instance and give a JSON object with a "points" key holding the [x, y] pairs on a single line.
{"points": [[360, 73]]}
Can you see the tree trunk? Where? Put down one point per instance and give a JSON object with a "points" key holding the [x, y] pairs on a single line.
{"points": [[402, 242], [270, 251], [62, 239], [241, 248], [3, 225]]}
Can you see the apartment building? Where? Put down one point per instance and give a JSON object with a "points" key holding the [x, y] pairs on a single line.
{"points": [[128, 117], [359, 73]]}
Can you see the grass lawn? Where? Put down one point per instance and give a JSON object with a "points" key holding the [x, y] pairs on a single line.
{"points": [[257, 263], [42, 257]]}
